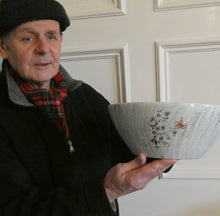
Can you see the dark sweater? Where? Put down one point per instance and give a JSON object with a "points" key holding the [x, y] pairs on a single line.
{"points": [[38, 174]]}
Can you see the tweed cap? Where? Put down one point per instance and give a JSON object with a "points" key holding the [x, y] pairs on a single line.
{"points": [[16, 12]]}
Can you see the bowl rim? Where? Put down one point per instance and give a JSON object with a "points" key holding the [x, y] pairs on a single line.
{"points": [[166, 103]]}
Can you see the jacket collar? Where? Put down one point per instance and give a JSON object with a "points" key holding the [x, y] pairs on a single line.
{"points": [[16, 95]]}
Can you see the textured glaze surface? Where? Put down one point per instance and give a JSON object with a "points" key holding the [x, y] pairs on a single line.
{"points": [[167, 130]]}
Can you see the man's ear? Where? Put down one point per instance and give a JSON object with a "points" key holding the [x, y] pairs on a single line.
{"points": [[3, 49]]}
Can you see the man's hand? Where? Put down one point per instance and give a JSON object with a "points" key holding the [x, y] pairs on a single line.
{"points": [[125, 178]]}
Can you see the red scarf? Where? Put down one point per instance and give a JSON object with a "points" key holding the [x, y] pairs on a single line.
{"points": [[49, 100]]}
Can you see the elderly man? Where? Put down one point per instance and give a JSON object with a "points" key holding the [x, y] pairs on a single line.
{"points": [[59, 152]]}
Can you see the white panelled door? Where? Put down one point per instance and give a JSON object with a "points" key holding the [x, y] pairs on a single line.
{"points": [[148, 50]]}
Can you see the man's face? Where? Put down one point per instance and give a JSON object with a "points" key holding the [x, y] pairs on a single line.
{"points": [[33, 50]]}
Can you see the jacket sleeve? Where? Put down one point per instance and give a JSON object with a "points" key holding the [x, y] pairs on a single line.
{"points": [[20, 196], [119, 150]]}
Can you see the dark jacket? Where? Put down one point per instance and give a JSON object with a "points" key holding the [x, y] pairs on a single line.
{"points": [[38, 174]]}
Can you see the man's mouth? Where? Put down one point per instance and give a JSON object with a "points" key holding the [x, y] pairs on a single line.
{"points": [[42, 64]]}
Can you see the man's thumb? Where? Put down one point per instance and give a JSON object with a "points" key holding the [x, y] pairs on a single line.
{"points": [[139, 161]]}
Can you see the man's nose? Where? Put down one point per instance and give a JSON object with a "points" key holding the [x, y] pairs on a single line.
{"points": [[42, 47]]}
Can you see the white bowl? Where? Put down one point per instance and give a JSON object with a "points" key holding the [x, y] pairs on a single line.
{"points": [[167, 130]]}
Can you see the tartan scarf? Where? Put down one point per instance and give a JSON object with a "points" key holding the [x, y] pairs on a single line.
{"points": [[50, 101]]}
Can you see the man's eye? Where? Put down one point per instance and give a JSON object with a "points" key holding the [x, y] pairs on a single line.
{"points": [[51, 37], [27, 39]]}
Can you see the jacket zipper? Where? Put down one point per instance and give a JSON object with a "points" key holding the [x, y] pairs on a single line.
{"points": [[70, 146]]}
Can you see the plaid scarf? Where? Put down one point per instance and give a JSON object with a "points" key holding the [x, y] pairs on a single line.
{"points": [[49, 100]]}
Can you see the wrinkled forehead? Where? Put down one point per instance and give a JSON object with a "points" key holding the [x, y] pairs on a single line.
{"points": [[39, 25], [35, 27]]}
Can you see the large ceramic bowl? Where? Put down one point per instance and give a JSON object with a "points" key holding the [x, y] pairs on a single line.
{"points": [[167, 130]]}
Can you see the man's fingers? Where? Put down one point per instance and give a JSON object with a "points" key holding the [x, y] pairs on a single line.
{"points": [[163, 164], [153, 169], [159, 166]]}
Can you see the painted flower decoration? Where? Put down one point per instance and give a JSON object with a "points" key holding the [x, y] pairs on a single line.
{"points": [[180, 124], [160, 135]]}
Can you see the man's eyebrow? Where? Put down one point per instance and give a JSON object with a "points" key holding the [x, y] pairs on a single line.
{"points": [[54, 32], [24, 31], [27, 29]]}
